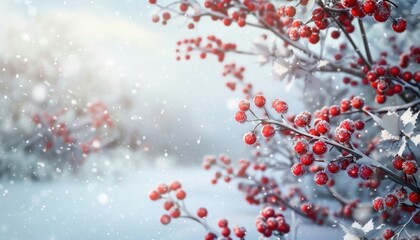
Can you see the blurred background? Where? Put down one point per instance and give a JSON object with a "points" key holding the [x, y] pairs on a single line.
{"points": [[96, 111]]}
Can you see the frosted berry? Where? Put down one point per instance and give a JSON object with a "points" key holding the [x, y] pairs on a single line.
{"points": [[319, 147], [378, 204], [250, 138], [348, 125], [240, 232], [268, 212], [244, 105], [383, 12], [397, 162], [342, 135], [365, 172], [390, 200], [409, 167], [280, 106], [357, 102], [334, 167], [162, 188], [307, 159], [240, 117], [302, 119], [180, 194], [175, 185], [321, 178], [165, 219], [301, 146], [322, 127], [369, 7], [222, 223], [202, 212], [348, 3], [259, 101], [388, 233], [414, 198], [267, 131], [298, 169], [353, 170], [399, 25], [154, 195], [283, 227], [401, 194]]}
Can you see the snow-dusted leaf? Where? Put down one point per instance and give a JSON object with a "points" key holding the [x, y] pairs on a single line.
{"points": [[368, 226], [385, 135], [280, 69], [391, 123], [262, 59], [322, 63], [402, 144], [415, 139], [409, 118]]}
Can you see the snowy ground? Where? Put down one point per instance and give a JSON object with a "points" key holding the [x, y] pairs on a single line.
{"points": [[69, 209]]}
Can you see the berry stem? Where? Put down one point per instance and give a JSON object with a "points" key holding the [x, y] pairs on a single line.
{"points": [[365, 40]]}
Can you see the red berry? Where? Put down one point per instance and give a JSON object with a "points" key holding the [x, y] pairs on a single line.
{"points": [[250, 138], [416, 217], [414, 198], [348, 125], [314, 38], [240, 117], [290, 11], [407, 76], [398, 163], [359, 125], [302, 119], [335, 34], [307, 159], [154, 195], [268, 212], [181, 194], [168, 205], [222, 223], [225, 232], [333, 167], [298, 169], [380, 99], [301, 146], [401, 194], [318, 14], [378, 204], [342, 135], [357, 102], [390, 200], [395, 71], [348, 3], [162, 188], [165, 219], [305, 31], [334, 110], [283, 227], [409, 167], [175, 185], [383, 12], [166, 16], [280, 106], [388, 233], [267, 131], [369, 7], [259, 101], [244, 105], [365, 172], [175, 213], [319, 147], [202, 212], [353, 170], [399, 25], [240, 232], [321, 178], [322, 127]]}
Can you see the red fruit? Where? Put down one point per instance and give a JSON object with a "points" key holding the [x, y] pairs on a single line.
{"points": [[165, 219], [272, 223], [414, 198], [305, 31], [390, 200], [181, 194], [240, 232], [307, 159], [268, 212], [166, 16], [322, 127], [319, 147], [225, 232], [333, 167], [222, 223], [401, 194], [175, 185], [314, 38], [348, 3], [162, 188], [259, 101], [240, 117], [175, 213], [348, 125], [395, 71], [335, 34], [369, 7], [290, 11], [280, 106], [154, 195], [334, 110], [380, 99], [407, 76], [357, 102], [202, 212], [356, 11], [353, 170], [298, 169], [321, 178], [183, 7], [342, 135], [378, 204], [283, 227], [301, 146], [152, 1], [398, 163], [365, 172], [388, 233], [359, 125], [318, 14], [267, 131], [383, 12], [168, 205], [399, 25], [210, 236], [302, 119], [409, 167], [250, 138], [155, 18], [244, 105]]}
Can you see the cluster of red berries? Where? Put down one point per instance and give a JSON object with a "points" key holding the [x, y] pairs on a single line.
{"points": [[100, 116], [270, 223], [225, 231], [379, 10], [394, 199], [214, 46], [223, 162], [408, 165]]}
